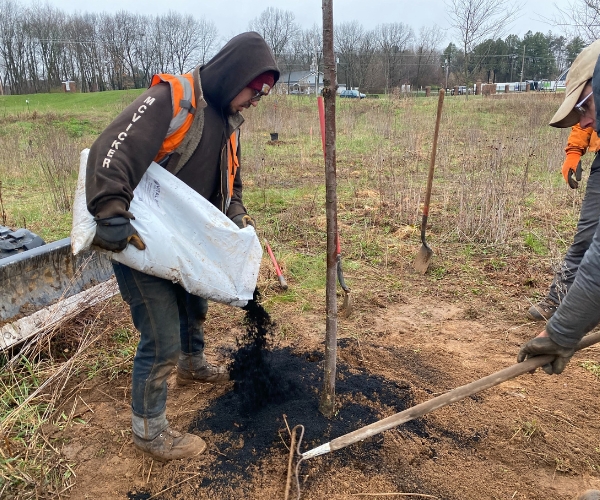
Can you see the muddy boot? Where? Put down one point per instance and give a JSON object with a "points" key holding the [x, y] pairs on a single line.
{"points": [[542, 311], [195, 368], [170, 445], [590, 495]]}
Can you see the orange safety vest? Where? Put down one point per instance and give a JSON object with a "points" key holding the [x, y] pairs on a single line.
{"points": [[183, 99]]}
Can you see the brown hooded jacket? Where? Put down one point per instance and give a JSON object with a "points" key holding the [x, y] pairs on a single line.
{"points": [[124, 150]]}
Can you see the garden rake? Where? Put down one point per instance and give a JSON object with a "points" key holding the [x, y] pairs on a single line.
{"points": [[458, 394]]}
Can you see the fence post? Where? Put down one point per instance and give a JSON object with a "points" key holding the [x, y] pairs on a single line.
{"points": [[427, 91], [507, 88]]}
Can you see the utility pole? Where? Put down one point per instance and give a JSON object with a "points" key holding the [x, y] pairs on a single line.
{"points": [[446, 67], [523, 63]]}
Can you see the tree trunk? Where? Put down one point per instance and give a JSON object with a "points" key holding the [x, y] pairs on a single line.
{"points": [[327, 403]]}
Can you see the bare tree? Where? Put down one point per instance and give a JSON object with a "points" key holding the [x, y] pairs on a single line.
{"points": [[207, 38], [13, 45], [426, 50], [278, 28], [348, 39], [393, 39], [308, 46], [476, 20], [46, 26], [580, 18]]}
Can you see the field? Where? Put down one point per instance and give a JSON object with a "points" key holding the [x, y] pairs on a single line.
{"points": [[501, 218]]}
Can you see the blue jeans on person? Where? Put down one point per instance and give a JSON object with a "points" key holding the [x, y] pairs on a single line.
{"points": [[169, 320], [586, 228]]}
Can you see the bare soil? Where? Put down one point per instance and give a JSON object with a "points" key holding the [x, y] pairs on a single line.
{"points": [[535, 437]]}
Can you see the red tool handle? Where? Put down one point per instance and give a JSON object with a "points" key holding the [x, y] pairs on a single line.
{"points": [[280, 277]]}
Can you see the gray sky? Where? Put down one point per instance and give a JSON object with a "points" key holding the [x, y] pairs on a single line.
{"points": [[232, 18]]}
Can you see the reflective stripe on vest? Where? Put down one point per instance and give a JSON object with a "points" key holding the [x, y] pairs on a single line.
{"points": [[183, 99], [232, 164]]}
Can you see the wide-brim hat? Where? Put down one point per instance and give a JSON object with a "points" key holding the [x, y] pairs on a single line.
{"points": [[579, 74]]}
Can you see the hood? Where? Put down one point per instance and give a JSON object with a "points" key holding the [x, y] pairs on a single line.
{"points": [[239, 62]]}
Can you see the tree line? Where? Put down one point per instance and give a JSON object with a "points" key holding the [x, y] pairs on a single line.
{"points": [[42, 47]]}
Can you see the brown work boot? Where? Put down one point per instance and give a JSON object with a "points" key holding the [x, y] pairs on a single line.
{"points": [[590, 495], [170, 445], [196, 368], [542, 311]]}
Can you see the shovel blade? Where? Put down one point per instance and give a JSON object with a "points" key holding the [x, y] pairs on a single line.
{"points": [[346, 309], [423, 259]]}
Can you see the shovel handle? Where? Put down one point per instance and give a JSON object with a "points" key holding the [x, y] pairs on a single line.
{"points": [[433, 154], [445, 399]]}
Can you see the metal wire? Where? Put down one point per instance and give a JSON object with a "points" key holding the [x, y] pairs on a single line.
{"points": [[297, 471]]}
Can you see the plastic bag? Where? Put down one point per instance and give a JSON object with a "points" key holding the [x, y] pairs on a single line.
{"points": [[188, 240]]}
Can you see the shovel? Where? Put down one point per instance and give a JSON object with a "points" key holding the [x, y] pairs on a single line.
{"points": [[424, 256], [346, 306]]}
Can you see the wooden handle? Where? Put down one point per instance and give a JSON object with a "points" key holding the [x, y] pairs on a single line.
{"points": [[433, 152], [445, 399]]}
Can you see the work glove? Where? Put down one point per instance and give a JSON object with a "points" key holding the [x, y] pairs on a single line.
{"points": [[545, 345], [244, 220], [571, 170], [114, 233]]}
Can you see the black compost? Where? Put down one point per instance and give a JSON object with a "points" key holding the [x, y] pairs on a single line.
{"points": [[279, 385]]}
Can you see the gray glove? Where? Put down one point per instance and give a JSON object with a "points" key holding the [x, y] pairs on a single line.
{"points": [[244, 220], [114, 233], [545, 345]]}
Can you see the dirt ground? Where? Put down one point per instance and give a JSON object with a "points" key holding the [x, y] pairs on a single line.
{"points": [[534, 437]]}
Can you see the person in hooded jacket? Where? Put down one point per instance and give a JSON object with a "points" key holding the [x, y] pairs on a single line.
{"points": [[190, 125]]}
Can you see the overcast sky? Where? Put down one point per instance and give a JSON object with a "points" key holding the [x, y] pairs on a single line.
{"points": [[232, 18]]}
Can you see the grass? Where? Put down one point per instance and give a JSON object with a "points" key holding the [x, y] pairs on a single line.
{"points": [[497, 179], [591, 366]]}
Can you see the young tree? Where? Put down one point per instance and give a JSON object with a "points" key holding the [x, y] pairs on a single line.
{"points": [[477, 20]]}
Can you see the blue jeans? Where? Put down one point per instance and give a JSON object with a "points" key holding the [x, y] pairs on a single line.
{"points": [[169, 320], [586, 228]]}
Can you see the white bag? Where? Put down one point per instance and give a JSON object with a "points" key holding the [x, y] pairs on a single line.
{"points": [[188, 240]]}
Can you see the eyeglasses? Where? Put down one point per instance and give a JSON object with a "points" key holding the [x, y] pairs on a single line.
{"points": [[579, 106], [256, 97]]}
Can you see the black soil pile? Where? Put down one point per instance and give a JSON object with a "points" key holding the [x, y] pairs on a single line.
{"points": [[277, 388], [243, 438]]}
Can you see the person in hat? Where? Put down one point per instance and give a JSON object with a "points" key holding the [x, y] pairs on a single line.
{"points": [[579, 312], [580, 141], [189, 124]]}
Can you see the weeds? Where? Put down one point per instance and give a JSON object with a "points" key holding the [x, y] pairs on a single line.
{"points": [[591, 366]]}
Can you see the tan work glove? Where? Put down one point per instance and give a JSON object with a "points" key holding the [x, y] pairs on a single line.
{"points": [[244, 220], [571, 170]]}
